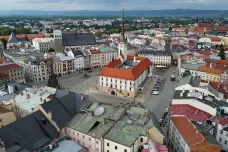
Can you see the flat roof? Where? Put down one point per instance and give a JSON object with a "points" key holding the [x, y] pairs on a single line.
{"points": [[35, 98]]}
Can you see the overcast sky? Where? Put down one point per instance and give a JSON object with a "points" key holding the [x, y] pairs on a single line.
{"points": [[113, 4]]}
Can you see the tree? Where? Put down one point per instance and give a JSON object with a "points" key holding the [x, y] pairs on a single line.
{"points": [[222, 53], [170, 28], [4, 41], [98, 34], [51, 50], [35, 32]]}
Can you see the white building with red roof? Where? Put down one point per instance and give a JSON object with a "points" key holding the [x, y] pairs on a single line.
{"points": [[124, 75]]}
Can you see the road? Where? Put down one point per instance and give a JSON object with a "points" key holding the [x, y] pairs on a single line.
{"points": [[159, 103]]}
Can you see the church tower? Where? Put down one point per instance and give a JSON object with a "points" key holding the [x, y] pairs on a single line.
{"points": [[122, 46]]}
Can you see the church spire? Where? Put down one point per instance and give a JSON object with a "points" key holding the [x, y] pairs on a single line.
{"points": [[122, 39]]}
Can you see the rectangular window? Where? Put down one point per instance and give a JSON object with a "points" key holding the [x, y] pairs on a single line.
{"points": [[225, 142], [116, 147], [96, 142], [108, 144], [125, 150], [141, 139], [220, 139], [221, 132]]}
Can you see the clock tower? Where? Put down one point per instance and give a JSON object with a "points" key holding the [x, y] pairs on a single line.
{"points": [[122, 46]]}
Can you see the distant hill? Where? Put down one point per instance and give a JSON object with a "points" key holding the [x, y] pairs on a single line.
{"points": [[152, 13]]}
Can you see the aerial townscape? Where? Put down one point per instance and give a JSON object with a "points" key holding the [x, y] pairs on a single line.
{"points": [[113, 81]]}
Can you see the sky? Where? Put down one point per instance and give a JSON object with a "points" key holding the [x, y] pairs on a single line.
{"points": [[54, 5]]}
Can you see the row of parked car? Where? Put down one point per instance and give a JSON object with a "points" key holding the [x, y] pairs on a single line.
{"points": [[157, 86]]}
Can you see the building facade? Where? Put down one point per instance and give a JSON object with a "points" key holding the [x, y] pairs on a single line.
{"points": [[210, 73], [123, 77], [185, 137], [107, 55], [158, 58], [73, 40], [15, 71], [95, 58], [43, 44]]}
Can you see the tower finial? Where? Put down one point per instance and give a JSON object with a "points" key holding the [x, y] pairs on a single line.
{"points": [[123, 28]]}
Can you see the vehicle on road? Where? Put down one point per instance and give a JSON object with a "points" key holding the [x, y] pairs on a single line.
{"points": [[155, 89], [155, 92], [172, 78], [157, 85]]}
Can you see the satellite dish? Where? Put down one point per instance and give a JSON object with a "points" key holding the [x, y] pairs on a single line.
{"points": [[99, 111]]}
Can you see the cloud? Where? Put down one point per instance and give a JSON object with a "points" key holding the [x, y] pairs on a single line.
{"points": [[114, 4]]}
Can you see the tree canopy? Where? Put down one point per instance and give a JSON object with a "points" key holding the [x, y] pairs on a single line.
{"points": [[51, 50]]}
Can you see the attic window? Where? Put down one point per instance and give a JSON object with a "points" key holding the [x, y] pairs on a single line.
{"points": [[94, 125]]}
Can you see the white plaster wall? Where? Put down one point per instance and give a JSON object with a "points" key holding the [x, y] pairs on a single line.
{"points": [[93, 144]]}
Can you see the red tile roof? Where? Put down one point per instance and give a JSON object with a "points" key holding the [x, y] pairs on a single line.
{"points": [[4, 76], [194, 114], [222, 120], [2, 60], [191, 135], [208, 69], [8, 67], [220, 88], [29, 36], [95, 51], [133, 74]]}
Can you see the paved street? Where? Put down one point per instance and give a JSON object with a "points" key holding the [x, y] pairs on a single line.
{"points": [[159, 103]]}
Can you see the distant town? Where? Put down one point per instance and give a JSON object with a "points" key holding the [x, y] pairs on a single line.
{"points": [[113, 84]]}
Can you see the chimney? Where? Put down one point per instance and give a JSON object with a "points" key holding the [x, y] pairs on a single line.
{"points": [[41, 100], [50, 114], [28, 96], [82, 97], [134, 59], [146, 146], [14, 101]]}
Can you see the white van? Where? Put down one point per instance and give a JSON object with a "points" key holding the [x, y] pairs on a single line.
{"points": [[155, 92]]}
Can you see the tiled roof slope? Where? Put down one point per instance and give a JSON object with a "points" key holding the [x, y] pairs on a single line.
{"points": [[7, 67], [187, 130], [133, 74], [208, 69]]}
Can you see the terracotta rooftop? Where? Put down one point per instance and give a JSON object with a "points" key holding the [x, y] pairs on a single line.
{"points": [[29, 36], [192, 113], [222, 120], [208, 69], [2, 60], [7, 67], [190, 134], [133, 74], [95, 51]]}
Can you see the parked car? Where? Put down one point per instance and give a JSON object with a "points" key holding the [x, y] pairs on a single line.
{"points": [[155, 92], [155, 89]]}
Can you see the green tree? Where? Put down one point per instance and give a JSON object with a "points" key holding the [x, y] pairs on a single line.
{"points": [[4, 41], [222, 53], [98, 34], [170, 28], [51, 50], [35, 32]]}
